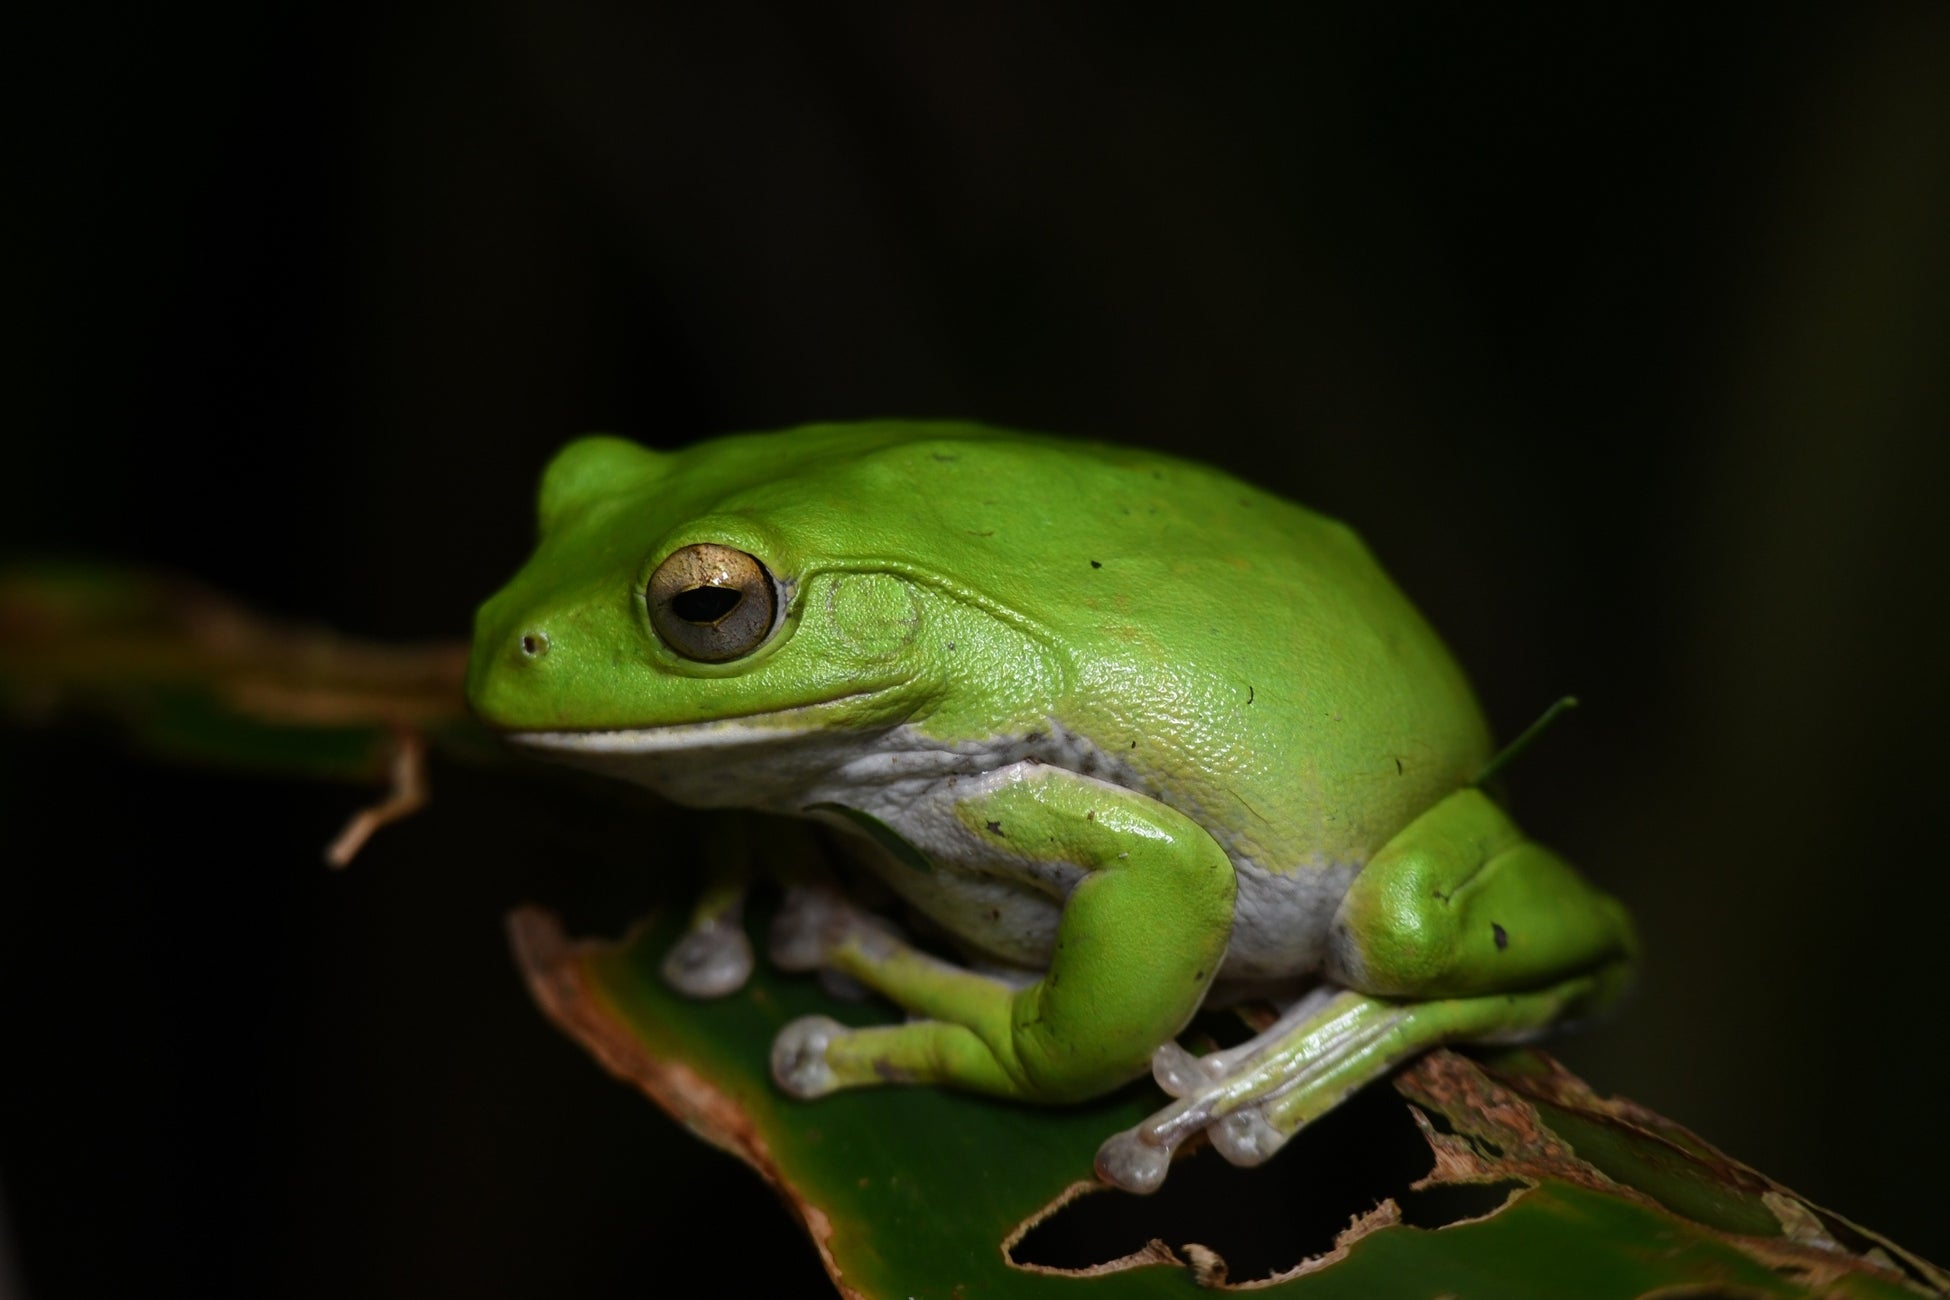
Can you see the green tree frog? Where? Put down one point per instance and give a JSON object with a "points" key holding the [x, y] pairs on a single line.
{"points": [[1125, 731]]}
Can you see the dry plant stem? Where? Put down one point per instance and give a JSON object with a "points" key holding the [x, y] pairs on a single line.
{"points": [[407, 795]]}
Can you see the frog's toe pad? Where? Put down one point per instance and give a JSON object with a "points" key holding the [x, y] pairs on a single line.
{"points": [[811, 924], [805, 929], [1178, 1072], [799, 1056], [1128, 1162], [709, 961], [1244, 1137]]}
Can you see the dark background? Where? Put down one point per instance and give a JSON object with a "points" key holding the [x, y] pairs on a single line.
{"points": [[1620, 333]]}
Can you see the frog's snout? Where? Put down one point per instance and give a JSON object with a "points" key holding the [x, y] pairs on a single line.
{"points": [[499, 681]]}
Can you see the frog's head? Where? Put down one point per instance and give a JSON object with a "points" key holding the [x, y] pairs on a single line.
{"points": [[745, 591]]}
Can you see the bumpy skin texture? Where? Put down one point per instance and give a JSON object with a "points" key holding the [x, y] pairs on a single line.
{"points": [[1107, 716]]}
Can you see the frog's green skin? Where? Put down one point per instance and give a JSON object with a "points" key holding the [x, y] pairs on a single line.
{"points": [[1105, 716]]}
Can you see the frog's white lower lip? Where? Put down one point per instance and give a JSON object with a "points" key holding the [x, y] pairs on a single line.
{"points": [[769, 727], [728, 734]]}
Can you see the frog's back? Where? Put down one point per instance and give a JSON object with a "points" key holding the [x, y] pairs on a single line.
{"points": [[1231, 652]]}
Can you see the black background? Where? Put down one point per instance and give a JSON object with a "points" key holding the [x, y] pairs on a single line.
{"points": [[1618, 332]]}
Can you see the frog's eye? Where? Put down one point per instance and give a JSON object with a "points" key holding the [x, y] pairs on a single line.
{"points": [[712, 603]]}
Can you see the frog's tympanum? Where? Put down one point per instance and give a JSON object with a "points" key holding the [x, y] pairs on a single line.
{"points": [[1120, 731]]}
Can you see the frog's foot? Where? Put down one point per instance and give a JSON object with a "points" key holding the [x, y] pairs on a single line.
{"points": [[712, 959], [809, 926], [812, 924], [1249, 1100]]}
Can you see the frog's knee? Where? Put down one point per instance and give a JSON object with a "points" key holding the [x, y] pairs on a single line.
{"points": [[1387, 944], [1425, 920]]}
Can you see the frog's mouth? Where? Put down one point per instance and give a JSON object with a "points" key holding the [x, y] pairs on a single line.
{"points": [[766, 760], [794, 723], [684, 737]]}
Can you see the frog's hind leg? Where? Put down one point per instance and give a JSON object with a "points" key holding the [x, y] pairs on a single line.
{"points": [[1458, 930], [1305, 1065]]}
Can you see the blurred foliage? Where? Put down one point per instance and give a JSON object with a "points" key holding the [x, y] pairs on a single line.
{"points": [[189, 674]]}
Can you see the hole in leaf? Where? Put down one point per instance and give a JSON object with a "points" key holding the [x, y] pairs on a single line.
{"points": [[1447, 1203], [1853, 1239], [1440, 1123], [1260, 1221]]}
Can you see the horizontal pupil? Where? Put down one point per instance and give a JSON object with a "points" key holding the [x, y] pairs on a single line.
{"points": [[705, 604]]}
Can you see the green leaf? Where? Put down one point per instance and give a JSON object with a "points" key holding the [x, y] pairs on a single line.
{"points": [[920, 1192]]}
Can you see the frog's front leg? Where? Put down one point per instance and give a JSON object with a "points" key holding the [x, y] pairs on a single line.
{"points": [[1140, 937], [1459, 929], [714, 957]]}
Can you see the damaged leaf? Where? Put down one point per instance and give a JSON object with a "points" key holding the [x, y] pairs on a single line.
{"points": [[1493, 1176]]}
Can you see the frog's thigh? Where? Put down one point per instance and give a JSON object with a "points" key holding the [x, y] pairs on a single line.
{"points": [[1138, 943], [1460, 903]]}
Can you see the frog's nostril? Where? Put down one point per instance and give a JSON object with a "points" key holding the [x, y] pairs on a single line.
{"points": [[534, 644]]}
